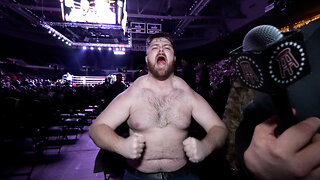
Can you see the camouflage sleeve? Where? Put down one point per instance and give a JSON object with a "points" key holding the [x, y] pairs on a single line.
{"points": [[239, 98]]}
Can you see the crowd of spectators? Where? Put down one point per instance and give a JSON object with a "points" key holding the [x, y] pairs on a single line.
{"points": [[212, 81], [29, 101], [221, 77]]}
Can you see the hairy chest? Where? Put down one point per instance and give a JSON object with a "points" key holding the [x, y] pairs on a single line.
{"points": [[153, 110]]}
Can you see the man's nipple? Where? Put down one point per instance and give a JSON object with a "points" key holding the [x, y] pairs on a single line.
{"points": [[136, 125]]}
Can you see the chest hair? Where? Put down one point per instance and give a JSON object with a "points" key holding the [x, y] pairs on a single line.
{"points": [[163, 108]]}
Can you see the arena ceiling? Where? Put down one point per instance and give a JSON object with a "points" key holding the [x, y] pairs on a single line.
{"points": [[192, 23]]}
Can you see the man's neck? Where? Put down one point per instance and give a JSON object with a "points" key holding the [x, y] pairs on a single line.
{"points": [[161, 84]]}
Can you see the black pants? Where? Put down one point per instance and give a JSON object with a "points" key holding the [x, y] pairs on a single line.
{"points": [[181, 174]]}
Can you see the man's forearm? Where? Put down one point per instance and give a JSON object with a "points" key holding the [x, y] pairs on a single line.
{"points": [[215, 137], [105, 137]]}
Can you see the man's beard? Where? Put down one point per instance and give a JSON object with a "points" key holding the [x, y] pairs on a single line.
{"points": [[161, 74]]}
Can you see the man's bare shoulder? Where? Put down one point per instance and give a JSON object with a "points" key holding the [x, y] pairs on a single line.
{"points": [[136, 86], [179, 83], [190, 94]]}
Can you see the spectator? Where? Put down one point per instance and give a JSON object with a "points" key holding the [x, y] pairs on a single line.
{"points": [[117, 87], [204, 83], [188, 74]]}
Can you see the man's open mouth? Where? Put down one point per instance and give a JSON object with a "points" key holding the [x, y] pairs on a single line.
{"points": [[161, 60]]}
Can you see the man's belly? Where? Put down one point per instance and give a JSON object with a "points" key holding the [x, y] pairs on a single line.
{"points": [[158, 165], [163, 152]]}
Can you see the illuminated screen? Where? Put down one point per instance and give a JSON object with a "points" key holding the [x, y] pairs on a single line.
{"points": [[91, 11]]}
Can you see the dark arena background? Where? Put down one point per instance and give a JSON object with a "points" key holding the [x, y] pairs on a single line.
{"points": [[58, 62]]}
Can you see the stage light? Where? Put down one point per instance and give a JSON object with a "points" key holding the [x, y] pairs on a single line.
{"points": [[109, 48], [91, 48], [84, 47], [99, 48], [119, 52], [120, 3]]}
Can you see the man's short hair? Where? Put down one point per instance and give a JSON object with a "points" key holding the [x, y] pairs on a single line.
{"points": [[158, 35]]}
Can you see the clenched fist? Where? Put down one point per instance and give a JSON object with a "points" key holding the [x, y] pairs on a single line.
{"points": [[133, 146], [195, 149]]}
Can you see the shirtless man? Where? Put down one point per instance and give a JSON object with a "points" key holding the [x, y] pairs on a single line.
{"points": [[158, 108]]}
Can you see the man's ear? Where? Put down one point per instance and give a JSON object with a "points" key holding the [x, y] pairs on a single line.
{"points": [[146, 59], [174, 58]]}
